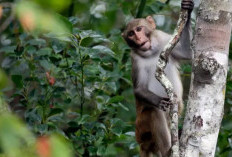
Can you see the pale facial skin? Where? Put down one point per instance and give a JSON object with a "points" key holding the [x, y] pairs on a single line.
{"points": [[138, 36]]}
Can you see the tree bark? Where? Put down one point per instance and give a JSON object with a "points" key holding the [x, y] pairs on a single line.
{"points": [[207, 90]]}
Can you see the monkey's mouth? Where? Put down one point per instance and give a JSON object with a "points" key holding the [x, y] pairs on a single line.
{"points": [[145, 45], [141, 45]]}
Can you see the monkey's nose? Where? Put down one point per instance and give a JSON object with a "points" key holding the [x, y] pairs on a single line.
{"points": [[137, 37]]}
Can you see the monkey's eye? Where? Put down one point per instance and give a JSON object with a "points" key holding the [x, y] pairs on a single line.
{"points": [[131, 33], [138, 29]]}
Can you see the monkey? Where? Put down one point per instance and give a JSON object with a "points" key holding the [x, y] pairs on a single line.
{"points": [[152, 118]]}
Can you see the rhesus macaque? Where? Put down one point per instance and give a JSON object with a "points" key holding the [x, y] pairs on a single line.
{"points": [[146, 42]]}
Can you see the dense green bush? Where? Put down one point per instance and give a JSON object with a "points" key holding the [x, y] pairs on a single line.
{"points": [[73, 87]]}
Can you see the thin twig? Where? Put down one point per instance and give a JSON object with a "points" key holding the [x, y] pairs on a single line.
{"points": [[161, 77]]}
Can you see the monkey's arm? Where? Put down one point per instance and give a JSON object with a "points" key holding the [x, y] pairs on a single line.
{"points": [[141, 91], [147, 96], [183, 50]]}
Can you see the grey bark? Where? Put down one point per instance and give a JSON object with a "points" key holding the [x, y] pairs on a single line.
{"points": [[207, 90]]}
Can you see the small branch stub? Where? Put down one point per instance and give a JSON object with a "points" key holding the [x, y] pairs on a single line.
{"points": [[205, 67]]}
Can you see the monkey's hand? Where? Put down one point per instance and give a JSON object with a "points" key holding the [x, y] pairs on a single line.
{"points": [[165, 104], [188, 5]]}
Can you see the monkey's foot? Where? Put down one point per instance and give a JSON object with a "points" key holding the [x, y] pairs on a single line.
{"points": [[165, 104]]}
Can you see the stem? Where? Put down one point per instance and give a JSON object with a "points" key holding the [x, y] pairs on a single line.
{"points": [[82, 94], [70, 76], [161, 77], [141, 8], [44, 105], [82, 89], [82, 84]]}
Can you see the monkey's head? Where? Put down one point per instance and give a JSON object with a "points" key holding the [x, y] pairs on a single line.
{"points": [[137, 33]]}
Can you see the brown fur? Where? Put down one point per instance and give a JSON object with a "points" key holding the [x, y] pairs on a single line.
{"points": [[152, 135]]}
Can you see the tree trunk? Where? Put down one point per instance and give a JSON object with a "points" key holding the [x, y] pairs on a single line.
{"points": [[207, 90]]}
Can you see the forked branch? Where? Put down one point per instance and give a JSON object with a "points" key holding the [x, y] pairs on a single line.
{"points": [[161, 77]]}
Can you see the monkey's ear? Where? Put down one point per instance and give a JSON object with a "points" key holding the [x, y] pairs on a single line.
{"points": [[151, 21], [123, 35]]}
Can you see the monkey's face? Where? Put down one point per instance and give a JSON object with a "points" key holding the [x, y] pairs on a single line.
{"points": [[139, 38]]}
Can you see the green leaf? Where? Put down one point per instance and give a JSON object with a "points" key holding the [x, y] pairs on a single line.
{"points": [[130, 133], [67, 24], [100, 100], [133, 145], [84, 119], [66, 63], [101, 150], [40, 19], [116, 99], [89, 33], [46, 65], [103, 50], [3, 79], [30, 49], [111, 87], [7, 62], [54, 4], [117, 130], [58, 46], [32, 116], [101, 125], [18, 80], [60, 147], [87, 41], [123, 106], [8, 49], [62, 37], [55, 111], [74, 20], [15, 139], [41, 128], [44, 52], [92, 150], [117, 126], [4, 108], [37, 42], [111, 150]]}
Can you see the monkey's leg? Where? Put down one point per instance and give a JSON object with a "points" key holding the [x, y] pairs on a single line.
{"points": [[158, 154], [147, 146], [146, 154], [143, 132], [152, 131], [161, 133]]}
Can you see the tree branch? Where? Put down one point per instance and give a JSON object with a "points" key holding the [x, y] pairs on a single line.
{"points": [[161, 77]]}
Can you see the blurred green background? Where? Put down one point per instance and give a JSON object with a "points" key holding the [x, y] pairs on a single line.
{"points": [[65, 85]]}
